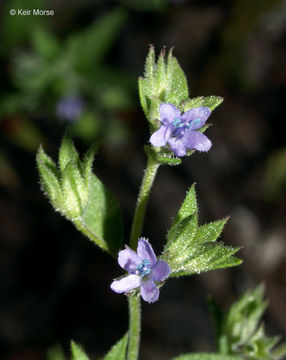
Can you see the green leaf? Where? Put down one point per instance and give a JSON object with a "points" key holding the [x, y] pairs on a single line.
{"points": [[204, 257], [208, 101], [67, 153], [177, 89], [210, 232], [191, 249], [243, 333], [56, 353], [279, 352], [188, 207], [161, 76], [162, 157], [45, 43], [81, 197], [49, 177], [206, 356], [72, 202], [86, 165], [180, 241], [150, 70], [143, 90], [164, 81], [118, 351], [102, 218], [77, 352], [88, 48]]}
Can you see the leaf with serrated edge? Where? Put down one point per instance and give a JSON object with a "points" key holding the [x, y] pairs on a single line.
{"points": [[118, 351], [77, 352], [204, 257]]}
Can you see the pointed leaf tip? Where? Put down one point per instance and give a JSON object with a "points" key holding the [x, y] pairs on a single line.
{"points": [[77, 352], [118, 351]]}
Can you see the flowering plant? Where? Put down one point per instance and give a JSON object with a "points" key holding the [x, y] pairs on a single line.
{"points": [[177, 126]]}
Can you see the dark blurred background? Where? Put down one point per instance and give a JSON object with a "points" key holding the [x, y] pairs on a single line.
{"points": [[77, 70]]}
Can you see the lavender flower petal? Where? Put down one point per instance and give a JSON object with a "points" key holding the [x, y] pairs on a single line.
{"points": [[126, 284], [160, 271], [177, 146], [161, 136], [149, 291], [145, 251], [196, 117], [128, 260], [196, 140], [169, 112]]}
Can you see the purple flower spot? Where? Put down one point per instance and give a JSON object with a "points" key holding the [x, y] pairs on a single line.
{"points": [[70, 108], [144, 269], [179, 131]]}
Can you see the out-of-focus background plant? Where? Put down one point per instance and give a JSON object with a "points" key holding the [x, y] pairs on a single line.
{"points": [[77, 71]]}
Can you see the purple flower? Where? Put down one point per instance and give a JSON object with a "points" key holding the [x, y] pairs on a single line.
{"points": [[179, 131], [70, 108], [144, 269]]}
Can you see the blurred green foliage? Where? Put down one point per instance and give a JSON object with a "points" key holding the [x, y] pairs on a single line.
{"points": [[275, 174], [240, 331], [51, 70]]}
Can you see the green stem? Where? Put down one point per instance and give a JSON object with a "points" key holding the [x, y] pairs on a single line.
{"points": [[142, 201], [134, 301], [134, 327]]}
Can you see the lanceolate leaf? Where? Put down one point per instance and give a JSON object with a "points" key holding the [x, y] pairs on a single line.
{"points": [[118, 351], [190, 248], [67, 153], [188, 207], [80, 196], [77, 352]]}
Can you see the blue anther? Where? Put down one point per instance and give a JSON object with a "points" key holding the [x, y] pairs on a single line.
{"points": [[176, 122], [197, 121], [144, 268]]}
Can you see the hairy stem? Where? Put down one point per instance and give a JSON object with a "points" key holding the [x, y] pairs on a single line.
{"points": [[134, 327], [139, 215], [142, 201]]}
